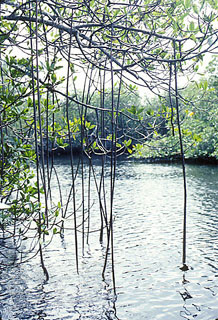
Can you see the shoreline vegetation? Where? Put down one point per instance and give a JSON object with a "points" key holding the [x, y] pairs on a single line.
{"points": [[178, 159], [201, 160], [144, 130]]}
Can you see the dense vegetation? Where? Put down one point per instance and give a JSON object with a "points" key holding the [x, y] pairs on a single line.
{"points": [[199, 118]]}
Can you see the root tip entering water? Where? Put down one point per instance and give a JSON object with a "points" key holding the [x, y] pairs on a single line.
{"points": [[184, 267]]}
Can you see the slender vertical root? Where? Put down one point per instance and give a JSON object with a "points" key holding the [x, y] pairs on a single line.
{"points": [[43, 264], [184, 267], [71, 153]]}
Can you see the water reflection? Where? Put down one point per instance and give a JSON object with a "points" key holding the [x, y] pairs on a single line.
{"points": [[148, 245]]}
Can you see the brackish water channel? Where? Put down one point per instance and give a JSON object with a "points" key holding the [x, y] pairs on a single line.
{"points": [[148, 210]]}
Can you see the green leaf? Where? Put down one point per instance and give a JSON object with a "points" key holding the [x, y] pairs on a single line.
{"points": [[195, 8], [191, 26], [132, 110], [53, 77], [127, 143], [193, 38], [187, 3]]}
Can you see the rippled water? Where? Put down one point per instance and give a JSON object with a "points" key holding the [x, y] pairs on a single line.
{"points": [[148, 253]]}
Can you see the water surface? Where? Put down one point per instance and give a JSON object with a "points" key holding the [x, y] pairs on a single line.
{"points": [[148, 211]]}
